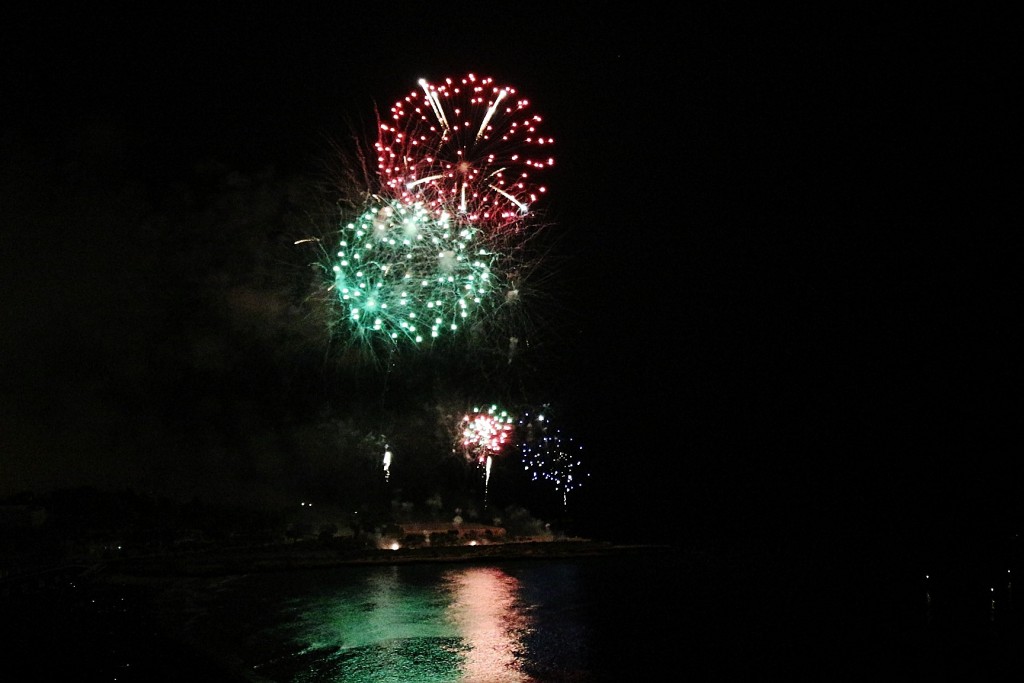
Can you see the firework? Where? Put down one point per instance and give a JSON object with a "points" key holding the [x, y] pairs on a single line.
{"points": [[551, 457], [483, 433], [387, 463], [466, 147], [403, 274]]}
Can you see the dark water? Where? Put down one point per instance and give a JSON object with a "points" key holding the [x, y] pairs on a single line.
{"points": [[658, 615]]}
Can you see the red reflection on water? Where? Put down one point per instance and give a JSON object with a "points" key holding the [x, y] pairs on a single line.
{"points": [[491, 621]]}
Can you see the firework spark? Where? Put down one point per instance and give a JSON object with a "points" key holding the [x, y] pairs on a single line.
{"points": [[551, 457], [465, 147], [400, 273], [484, 433]]}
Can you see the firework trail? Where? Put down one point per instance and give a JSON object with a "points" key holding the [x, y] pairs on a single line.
{"points": [[466, 147], [387, 463]]}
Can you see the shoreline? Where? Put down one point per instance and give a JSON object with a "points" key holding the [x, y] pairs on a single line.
{"points": [[297, 556]]}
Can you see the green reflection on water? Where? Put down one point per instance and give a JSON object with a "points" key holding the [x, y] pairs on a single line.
{"points": [[390, 629]]}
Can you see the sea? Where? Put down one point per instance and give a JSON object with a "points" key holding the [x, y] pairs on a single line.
{"points": [[652, 614]]}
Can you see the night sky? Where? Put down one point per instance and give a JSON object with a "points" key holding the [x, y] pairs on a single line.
{"points": [[780, 293]]}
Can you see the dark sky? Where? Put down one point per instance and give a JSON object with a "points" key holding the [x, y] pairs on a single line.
{"points": [[784, 293]]}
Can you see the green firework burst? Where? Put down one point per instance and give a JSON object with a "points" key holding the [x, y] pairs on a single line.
{"points": [[404, 275]]}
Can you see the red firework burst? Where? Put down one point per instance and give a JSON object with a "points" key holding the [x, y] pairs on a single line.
{"points": [[484, 433], [465, 147]]}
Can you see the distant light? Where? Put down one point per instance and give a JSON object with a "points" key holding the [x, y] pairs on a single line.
{"points": [[395, 546]]}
